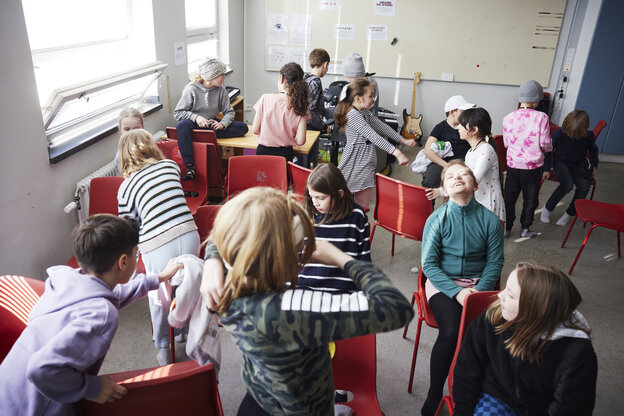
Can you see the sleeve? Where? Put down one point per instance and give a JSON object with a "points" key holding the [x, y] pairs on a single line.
{"points": [[125, 201], [431, 249], [592, 149], [183, 110], [495, 257], [484, 162], [59, 369], [259, 106], [545, 141], [385, 130], [315, 318], [437, 131], [575, 387], [358, 123], [363, 237], [548, 157], [470, 368], [226, 109], [507, 136], [135, 289], [316, 114]]}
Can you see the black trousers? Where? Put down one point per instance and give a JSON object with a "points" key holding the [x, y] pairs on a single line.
{"points": [[528, 181], [249, 407], [286, 152]]}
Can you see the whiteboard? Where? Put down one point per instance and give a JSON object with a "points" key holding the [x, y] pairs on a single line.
{"points": [[483, 41]]}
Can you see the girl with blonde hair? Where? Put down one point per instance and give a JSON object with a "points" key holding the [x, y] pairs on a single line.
{"points": [[257, 236], [152, 193]]}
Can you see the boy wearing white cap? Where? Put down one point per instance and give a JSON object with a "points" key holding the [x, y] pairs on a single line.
{"points": [[202, 99], [445, 131]]}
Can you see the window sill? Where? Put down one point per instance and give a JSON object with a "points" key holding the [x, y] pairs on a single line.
{"points": [[93, 135]]}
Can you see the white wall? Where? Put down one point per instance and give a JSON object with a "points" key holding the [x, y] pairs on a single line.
{"points": [[35, 230], [397, 94]]}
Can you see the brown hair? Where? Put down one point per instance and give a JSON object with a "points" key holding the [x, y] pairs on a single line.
{"points": [[455, 162], [318, 57], [357, 87], [576, 124], [254, 232], [296, 88], [129, 112], [136, 151], [101, 239], [328, 179], [547, 298]]}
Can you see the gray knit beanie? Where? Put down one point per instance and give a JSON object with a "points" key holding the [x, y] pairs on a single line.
{"points": [[530, 92], [211, 68], [353, 67]]}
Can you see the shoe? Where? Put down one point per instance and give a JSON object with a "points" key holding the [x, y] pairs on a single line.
{"points": [[340, 397], [180, 338], [190, 172], [563, 221], [164, 356], [545, 216], [507, 233], [527, 233], [415, 269]]}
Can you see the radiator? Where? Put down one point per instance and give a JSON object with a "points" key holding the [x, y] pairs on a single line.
{"points": [[81, 196]]}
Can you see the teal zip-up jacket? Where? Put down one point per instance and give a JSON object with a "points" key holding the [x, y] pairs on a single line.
{"points": [[462, 242]]}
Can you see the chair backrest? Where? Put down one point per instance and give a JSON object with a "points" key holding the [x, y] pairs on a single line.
{"points": [[401, 207], [204, 219], [599, 126], [424, 304], [18, 295], [175, 389], [256, 170], [354, 368], [501, 152], [198, 135], [103, 195], [299, 177]]}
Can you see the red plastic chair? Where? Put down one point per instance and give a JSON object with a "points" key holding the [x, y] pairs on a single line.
{"points": [[354, 369], [175, 389], [256, 170], [501, 152], [474, 305], [401, 208], [204, 136], [299, 177], [18, 295], [599, 214], [204, 219]]}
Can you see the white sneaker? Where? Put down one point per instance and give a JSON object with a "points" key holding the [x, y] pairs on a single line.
{"points": [[415, 269], [180, 338], [164, 356], [563, 221], [545, 216]]}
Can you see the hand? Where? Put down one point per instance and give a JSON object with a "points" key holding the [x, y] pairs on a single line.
{"points": [[328, 130], [329, 254], [432, 193], [213, 279], [401, 158], [409, 142], [215, 125], [170, 269], [110, 391], [461, 296], [545, 175], [593, 175], [202, 122]]}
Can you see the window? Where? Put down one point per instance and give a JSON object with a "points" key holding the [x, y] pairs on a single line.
{"points": [[90, 59], [202, 34]]}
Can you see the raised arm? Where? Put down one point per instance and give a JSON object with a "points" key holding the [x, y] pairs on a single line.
{"points": [[360, 125]]}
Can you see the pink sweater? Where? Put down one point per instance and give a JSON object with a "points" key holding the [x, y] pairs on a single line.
{"points": [[278, 123], [527, 137]]}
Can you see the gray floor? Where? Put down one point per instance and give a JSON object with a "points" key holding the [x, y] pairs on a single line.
{"points": [[599, 275]]}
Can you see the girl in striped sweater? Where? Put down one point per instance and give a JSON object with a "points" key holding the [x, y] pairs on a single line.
{"points": [[152, 193]]}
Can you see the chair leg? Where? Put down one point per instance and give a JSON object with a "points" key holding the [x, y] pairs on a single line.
{"points": [[582, 247], [172, 342], [416, 340], [370, 240], [619, 252], [393, 244], [446, 400], [591, 199], [407, 325], [569, 230]]}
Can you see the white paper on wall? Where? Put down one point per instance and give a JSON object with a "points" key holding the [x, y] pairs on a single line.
{"points": [[277, 29], [344, 31], [300, 29], [377, 32], [384, 7], [329, 4]]}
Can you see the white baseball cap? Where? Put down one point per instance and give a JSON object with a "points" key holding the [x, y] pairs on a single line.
{"points": [[457, 102]]}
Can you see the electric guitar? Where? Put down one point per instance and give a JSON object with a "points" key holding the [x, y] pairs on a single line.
{"points": [[411, 128]]}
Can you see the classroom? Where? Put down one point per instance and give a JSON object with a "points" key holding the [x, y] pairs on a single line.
{"points": [[36, 188]]}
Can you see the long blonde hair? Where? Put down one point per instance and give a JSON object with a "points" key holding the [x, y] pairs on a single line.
{"points": [[255, 233], [137, 150], [547, 298]]}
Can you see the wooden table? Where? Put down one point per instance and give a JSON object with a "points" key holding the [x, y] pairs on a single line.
{"points": [[308, 152]]}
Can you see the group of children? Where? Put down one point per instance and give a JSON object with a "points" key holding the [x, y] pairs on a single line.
{"points": [[303, 272]]}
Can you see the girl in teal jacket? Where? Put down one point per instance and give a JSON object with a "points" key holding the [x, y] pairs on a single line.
{"points": [[462, 252]]}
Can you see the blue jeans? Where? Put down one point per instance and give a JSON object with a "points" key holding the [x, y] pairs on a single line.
{"points": [[568, 178], [185, 139]]}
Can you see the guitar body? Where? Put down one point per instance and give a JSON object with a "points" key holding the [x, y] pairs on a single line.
{"points": [[411, 126]]}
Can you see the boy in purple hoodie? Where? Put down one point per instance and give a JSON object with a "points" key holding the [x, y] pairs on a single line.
{"points": [[55, 361]]}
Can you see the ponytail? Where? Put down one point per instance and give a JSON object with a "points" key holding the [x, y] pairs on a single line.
{"points": [[296, 88], [355, 88]]}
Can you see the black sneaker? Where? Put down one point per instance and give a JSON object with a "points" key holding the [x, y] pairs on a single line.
{"points": [[340, 397]]}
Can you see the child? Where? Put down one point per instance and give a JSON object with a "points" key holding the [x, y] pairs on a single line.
{"points": [[475, 127], [571, 144], [129, 119], [530, 352], [202, 100], [280, 120], [352, 68], [283, 337], [55, 361], [319, 62], [462, 252], [152, 193], [526, 137], [337, 219], [445, 131], [364, 131]]}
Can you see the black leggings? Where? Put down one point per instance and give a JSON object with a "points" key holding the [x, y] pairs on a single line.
{"points": [[447, 313]]}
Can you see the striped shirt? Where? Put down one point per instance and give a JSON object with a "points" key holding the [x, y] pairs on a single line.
{"points": [[155, 197], [352, 236]]}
